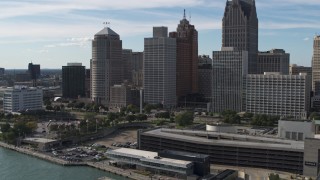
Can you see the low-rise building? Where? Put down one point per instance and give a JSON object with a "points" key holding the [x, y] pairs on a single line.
{"points": [[296, 129], [124, 95], [152, 161], [297, 157], [22, 98]]}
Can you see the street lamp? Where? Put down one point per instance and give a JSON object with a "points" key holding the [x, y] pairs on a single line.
{"points": [[87, 121]]}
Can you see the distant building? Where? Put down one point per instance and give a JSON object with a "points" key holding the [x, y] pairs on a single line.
{"points": [[2, 71], [106, 65], [73, 80], [124, 95], [22, 99], [230, 66], [22, 77], [316, 66], [205, 76], [34, 71], [275, 60], [127, 64], [276, 94], [160, 69], [187, 58], [296, 70], [87, 83], [137, 69], [240, 29]]}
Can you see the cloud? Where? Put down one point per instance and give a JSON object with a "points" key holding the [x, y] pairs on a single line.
{"points": [[306, 39], [80, 41]]}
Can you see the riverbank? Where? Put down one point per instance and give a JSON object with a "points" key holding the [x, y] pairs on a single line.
{"points": [[104, 166]]}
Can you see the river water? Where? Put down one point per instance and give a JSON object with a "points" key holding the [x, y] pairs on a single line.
{"points": [[17, 166]]}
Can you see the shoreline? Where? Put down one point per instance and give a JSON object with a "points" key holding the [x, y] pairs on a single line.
{"points": [[97, 165]]}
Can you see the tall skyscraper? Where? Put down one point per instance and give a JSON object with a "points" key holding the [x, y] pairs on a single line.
{"points": [[187, 57], [205, 76], [160, 68], [127, 64], [240, 29], [73, 80], [275, 60], [106, 64], [230, 66], [316, 66]]}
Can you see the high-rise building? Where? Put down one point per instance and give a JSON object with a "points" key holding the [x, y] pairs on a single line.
{"points": [[316, 66], [87, 83], [127, 64], [240, 29], [73, 80], [187, 58], [230, 66], [137, 69], [106, 64], [205, 76], [275, 60], [160, 69], [1, 71], [34, 72], [276, 94], [22, 99]]}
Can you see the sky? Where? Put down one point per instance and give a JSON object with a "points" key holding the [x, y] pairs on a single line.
{"points": [[54, 32]]}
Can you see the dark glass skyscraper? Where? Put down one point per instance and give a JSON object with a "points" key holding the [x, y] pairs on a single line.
{"points": [[240, 29], [73, 80], [187, 57]]}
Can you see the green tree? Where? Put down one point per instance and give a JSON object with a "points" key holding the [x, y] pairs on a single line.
{"points": [[141, 117], [5, 128], [163, 115], [148, 108], [184, 119], [111, 116], [130, 118], [132, 108], [314, 116], [274, 177], [32, 126], [49, 108]]}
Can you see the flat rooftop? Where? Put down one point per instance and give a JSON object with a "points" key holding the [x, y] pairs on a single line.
{"points": [[39, 140], [226, 139], [149, 156]]}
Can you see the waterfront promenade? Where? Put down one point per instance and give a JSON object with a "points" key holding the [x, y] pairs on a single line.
{"points": [[98, 165]]}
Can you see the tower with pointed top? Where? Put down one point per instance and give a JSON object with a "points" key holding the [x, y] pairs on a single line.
{"points": [[106, 65], [187, 57], [240, 29]]}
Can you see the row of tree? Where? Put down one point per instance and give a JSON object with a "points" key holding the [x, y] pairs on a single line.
{"points": [[20, 128], [232, 117]]}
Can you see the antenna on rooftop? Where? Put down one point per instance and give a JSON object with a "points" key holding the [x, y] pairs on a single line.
{"points": [[184, 14], [106, 24], [190, 16]]}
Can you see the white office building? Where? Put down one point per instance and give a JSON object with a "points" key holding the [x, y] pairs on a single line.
{"points": [[229, 67], [160, 69], [296, 130], [22, 99], [281, 95]]}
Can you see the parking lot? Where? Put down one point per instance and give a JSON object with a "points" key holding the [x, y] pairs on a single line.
{"points": [[123, 138]]}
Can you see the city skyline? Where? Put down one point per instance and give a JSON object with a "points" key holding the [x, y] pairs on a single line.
{"points": [[51, 33]]}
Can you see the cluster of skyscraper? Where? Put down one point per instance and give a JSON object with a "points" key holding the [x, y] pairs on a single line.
{"points": [[238, 77]]}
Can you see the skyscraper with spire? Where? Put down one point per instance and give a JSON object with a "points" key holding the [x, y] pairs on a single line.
{"points": [[240, 29], [106, 65], [316, 66], [187, 57]]}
